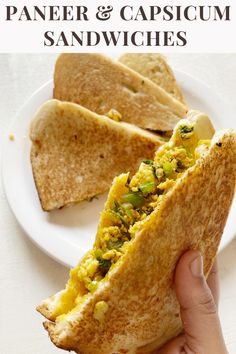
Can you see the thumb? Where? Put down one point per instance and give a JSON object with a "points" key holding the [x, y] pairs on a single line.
{"points": [[197, 307]]}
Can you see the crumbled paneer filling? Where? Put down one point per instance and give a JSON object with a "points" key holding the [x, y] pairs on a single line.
{"points": [[114, 115], [100, 310], [145, 191], [11, 137]]}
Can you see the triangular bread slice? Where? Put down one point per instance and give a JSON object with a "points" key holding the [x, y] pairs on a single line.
{"points": [[155, 67], [100, 84], [76, 153], [133, 309]]}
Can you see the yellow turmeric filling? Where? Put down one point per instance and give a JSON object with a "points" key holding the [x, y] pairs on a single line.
{"points": [[120, 222]]}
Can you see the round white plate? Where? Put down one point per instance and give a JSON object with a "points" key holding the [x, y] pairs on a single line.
{"points": [[67, 234]]}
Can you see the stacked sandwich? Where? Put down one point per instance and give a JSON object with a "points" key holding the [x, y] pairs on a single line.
{"points": [[107, 118]]}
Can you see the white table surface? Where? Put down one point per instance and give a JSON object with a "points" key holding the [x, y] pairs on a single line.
{"points": [[26, 274]]}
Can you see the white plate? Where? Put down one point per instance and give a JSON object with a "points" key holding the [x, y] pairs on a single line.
{"points": [[67, 234]]}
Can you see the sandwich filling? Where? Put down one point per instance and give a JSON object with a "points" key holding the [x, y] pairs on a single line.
{"points": [[125, 214]]}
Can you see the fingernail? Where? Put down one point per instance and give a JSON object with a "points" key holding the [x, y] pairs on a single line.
{"points": [[196, 266]]}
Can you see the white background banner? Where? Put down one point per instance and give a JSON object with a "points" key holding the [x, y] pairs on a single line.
{"points": [[111, 25]]}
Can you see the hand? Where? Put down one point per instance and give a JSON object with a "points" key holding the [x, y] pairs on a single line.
{"points": [[198, 300]]}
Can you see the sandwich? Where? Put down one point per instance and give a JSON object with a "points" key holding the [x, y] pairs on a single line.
{"points": [[75, 153], [155, 67], [100, 84], [120, 297]]}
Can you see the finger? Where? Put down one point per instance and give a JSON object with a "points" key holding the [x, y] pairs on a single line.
{"points": [[174, 347], [197, 307], [213, 282]]}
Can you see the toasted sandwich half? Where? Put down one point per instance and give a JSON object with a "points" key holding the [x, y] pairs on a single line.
{"points": [[155, 67], [101, 84], [76, 153], [120, 297]]}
